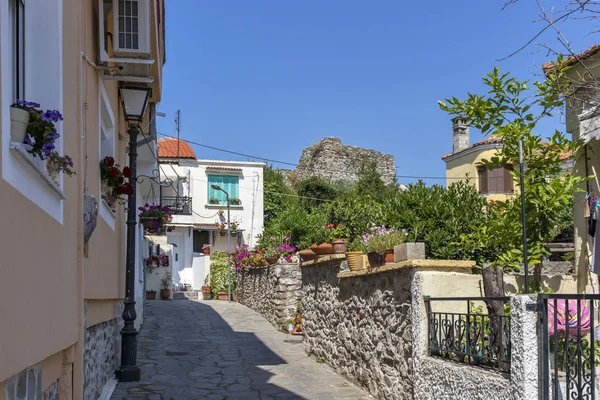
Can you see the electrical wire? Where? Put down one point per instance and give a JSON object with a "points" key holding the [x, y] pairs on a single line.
{"points": [[297, 165]]}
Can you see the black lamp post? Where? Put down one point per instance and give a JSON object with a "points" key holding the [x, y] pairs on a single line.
{"points": [[217, 187], [134, 100]]}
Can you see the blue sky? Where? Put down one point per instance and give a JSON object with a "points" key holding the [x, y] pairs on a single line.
{"points": [[271, 77]]}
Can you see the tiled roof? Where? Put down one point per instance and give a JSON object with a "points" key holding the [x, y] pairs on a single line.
{"points": [[167, 148], [487, 140], [576, 58], [224, 168]]}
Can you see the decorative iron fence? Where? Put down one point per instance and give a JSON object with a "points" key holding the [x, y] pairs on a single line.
{"points": [[474, 337], [177, 205], [570, 346]]}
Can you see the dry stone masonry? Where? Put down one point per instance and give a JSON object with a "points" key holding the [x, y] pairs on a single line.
{"points": [[361, 326], [272, 291], [332, 160], [100, 356]]}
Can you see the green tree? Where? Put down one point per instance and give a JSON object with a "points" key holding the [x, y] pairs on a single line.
{"points": [[511, 110], [315, 191], [276, 193]]}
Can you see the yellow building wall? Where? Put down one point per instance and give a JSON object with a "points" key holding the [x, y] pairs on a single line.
{"points": [[464, 168]]}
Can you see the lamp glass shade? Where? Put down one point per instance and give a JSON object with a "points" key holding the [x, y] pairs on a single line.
{"points": [[135, 100]]}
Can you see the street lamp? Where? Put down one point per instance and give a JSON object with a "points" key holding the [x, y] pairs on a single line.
{"points": [[134, 101], [217, 187]]}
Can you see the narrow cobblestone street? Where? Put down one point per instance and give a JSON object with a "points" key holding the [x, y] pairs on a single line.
{"points": [[218, 350]]}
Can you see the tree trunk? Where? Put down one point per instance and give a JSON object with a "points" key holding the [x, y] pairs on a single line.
{"points": [[493, 286]]}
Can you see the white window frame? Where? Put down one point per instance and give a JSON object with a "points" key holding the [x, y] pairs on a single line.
{"points": [[42, 49], [106, 123], [143, 28]]}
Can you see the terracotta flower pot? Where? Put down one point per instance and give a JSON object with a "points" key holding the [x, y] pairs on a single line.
{"points": [[19, 120], [322, 249], [355, 260], [308, 255], [224, 296], [206, 251], [339, 246], [271, 260], [389, 256], [376, 259], [165, 294], [150, 294]]}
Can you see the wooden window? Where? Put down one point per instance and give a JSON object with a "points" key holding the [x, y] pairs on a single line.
{"points": [[200, 239], [495, 181]]}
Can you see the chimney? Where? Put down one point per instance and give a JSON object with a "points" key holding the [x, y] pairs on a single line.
{"points": [[460, 134]]}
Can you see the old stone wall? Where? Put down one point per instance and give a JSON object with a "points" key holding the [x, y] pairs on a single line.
{"points": [[101, 357], [361, 326], [335, 161], [272, 291]]}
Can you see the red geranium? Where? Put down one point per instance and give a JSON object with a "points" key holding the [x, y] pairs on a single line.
{"points": [[329, 226], [127, 172], [109, 161], [113, 172]]}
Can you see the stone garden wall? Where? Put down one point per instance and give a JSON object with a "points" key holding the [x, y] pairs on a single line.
{"points": [[361, 326], [272, 291]]}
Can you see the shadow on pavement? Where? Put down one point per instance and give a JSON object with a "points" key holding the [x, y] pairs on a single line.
{"points": [[186, 350]]}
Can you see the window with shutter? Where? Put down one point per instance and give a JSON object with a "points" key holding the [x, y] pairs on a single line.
{"points": [[483, 179], [508, 180], [228, 183]]}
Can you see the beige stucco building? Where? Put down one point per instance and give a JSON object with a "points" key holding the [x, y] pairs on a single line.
{"points": [[465, 163], [583, 122], [60, 297]]}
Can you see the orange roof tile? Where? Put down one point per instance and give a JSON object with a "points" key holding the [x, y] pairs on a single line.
{"points": [[487, 140], [576, 58], [168, 148]]}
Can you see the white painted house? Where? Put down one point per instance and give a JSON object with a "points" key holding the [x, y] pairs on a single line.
{"points": [[195, 205]]}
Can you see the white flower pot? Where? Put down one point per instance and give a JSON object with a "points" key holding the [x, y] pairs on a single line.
{"points": [[19, 119]]}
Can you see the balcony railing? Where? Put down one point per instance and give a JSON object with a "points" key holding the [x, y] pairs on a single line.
{"points": [[177, 205]]}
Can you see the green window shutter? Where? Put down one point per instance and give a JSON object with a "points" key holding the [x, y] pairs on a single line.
{"points": [[227, 183]]}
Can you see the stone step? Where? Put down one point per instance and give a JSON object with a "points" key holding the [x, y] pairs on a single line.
{"points": [[188, 295]]}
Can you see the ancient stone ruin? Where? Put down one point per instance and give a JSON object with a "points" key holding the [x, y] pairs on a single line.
{"points": [[334, 161]]}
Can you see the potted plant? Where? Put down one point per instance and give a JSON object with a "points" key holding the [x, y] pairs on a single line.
{"points": [[213, 200], [380, 242], [307, 254], [321, 245], [206, 249], [221, 227], [270, 255], [113, 182], [154, 218], [207, 289], [235, 201], [285, 251], [19, 119], [165, 285], [40, 131], [355, 255], [339, 237], [150, 294], [57, 164], [235, 224]]}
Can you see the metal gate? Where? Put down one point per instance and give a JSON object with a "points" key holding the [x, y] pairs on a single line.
{"points": [[570, 347]]}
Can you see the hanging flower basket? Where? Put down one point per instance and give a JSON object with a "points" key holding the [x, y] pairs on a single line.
{"points": [[150, 223]]}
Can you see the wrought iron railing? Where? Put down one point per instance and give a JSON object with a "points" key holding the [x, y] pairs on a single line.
{"points": [[472, 337], [571, 349], [177, 205]]}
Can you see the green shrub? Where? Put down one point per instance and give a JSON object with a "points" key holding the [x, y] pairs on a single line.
{"points": [[218, 273]]}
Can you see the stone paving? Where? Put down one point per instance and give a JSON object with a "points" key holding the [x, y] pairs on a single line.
{"points": [[220, 350]]}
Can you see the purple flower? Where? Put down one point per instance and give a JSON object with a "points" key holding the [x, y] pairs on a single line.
{"points": [[56, 116], [27, 140], [48, 116], [47, 148], [52, 136]]}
